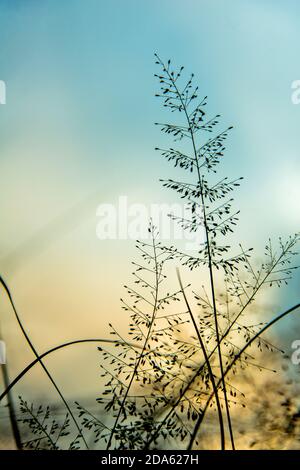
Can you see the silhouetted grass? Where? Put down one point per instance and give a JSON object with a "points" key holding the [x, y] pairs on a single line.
{"points": [[181, 360]]}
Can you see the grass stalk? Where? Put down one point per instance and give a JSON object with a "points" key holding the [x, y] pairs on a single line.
{"points": [[236, 358], [6, 289], [207, 362]]}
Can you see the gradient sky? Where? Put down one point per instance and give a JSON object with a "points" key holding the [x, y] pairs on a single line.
{"points": [[79, 121]]}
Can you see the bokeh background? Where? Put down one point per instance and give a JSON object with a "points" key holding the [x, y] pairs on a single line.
{"points": [[77, 131]]}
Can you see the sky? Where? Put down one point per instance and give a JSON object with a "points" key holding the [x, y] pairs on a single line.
{"points": [[77, 130]]}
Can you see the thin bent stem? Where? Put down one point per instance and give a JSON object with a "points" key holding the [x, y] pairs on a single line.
{"points": [[52, 350], [211, 375], [11, 409], [236, 358], [40, 361]]}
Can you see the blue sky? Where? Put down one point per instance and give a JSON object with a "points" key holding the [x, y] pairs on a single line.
{"points": [[80, 87], [80, 112]]}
